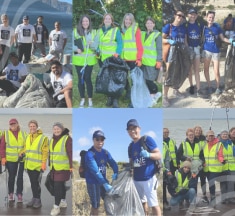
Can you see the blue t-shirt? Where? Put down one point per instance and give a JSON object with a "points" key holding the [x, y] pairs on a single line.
{"points": [[101, 159], [144, 168], [210, 35], [176, 33], [193, 31]]}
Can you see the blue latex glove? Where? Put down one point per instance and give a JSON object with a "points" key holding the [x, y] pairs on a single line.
{"points": [[107, 187], [114, 176], [144, 153], [171, 42], [231, 40]]}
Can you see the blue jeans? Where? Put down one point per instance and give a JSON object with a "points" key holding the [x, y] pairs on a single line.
{"points": [[190, 195], [12, 168], [95, 191]]}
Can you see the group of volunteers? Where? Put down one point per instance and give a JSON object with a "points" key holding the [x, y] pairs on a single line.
{"points": [[214, 159], [137, 48], [142, 169], [31, 151], [204, 41]]}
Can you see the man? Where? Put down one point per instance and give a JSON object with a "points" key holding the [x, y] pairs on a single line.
{"points": [[15, 74], [96, 160], [42, 36], [170, 162], [143, 167], [57, 41], [62, 84], [7, 35]]}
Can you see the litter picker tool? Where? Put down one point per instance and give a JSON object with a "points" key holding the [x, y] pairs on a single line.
{"points": [[227, 110], [82, 71], [212, 115], [102, 5]]}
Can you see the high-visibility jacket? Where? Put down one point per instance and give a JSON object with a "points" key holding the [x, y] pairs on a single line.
{"points": [[172, 152], [181, 184], [149, 57], [211, 159], [81, 59], [129, 51], [33, 153], [188, 152], [14, 146], [228, 155], [108, 44], [58, 156]]}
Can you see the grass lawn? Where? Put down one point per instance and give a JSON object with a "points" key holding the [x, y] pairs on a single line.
{"points": [[99, 100]]}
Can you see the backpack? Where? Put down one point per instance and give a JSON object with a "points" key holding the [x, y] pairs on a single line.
{"points": [[157, 164], [82, 166]]}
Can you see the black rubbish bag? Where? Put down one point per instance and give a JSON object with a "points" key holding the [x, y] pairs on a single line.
{"points": [[229, 69], [124, 199], [49, 183], [179, 67], [112, 77]]}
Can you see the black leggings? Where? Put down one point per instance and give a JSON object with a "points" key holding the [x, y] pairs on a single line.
{"points": [[35, 184], [24, 49], [8, 87], [151, 86], [60, 191]]}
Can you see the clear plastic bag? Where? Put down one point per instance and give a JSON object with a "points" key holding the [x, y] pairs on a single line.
{"points": [[140, 95], [124, 199]]}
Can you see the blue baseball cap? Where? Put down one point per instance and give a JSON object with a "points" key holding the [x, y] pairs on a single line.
{"points": [[192, 10], [26, 17], [132, 122], [98, 133]]}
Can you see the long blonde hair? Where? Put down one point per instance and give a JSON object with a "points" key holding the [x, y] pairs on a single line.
{"points": [[132, 20]]}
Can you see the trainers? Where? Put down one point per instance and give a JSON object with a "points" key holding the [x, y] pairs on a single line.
{"points": [[191, 90], [11, 197], [37, 203], [20, 198], [30, 203], [82, 102], [205, 199], [218, 91], [90, 104], [63, 204], [165, 102], [177, 94], [55, 210]]}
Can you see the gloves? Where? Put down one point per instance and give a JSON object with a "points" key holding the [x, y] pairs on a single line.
{"points": [[171, 42], [224, 162], [108, 188], [43, 167], [115, 55], [114, 176], [4, 161], [138, 63], [232, 41], [158, 65], [144, 153]]}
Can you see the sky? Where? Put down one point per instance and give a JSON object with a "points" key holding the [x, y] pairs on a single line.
{"points": [[69, 1], [113, 123]]}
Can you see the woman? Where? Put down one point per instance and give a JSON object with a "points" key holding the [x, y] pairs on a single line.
{"points": [[60, 164], [132, 45], [152, 57], [110, 44], [173, 33], [12, 143], [84, 56], [36, 151], [211, 51]]}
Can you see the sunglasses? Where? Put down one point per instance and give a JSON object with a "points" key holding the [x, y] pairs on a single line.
{"points": [[180, 15], [99, 139]]}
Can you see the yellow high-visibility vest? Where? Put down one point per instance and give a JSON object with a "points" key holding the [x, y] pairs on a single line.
{"points": [[228, 155], [181, 185], [172, 151]]}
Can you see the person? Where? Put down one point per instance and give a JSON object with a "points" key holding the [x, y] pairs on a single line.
{"points": [[152, 57], [143, 167], [57, 41], [183, 191], [61, 164], [194, 30], [229, 26], [227, 185], [25, 36], [96, 160], [85, 57], [173, 33], [36, 153], [12, 143], [198, 133], [214, 161], [62, 85], [14, 74], [232, 135], [42, 37], [132, 51], [170, 148], [211, 51], [110, 44], [7, 35]]}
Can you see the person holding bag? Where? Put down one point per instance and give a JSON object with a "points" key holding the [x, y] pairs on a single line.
{"points": [[60, 164]]}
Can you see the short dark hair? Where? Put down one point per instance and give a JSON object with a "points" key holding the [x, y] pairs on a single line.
{"points": [[40, 16], [210, 12], [56, 62]]}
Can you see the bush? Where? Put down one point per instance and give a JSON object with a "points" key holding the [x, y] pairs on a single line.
{"points": [[231, 7], [210, 7]]}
